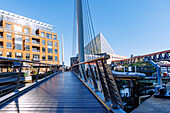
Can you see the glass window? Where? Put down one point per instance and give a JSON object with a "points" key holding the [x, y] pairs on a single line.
{"points": [[18, 46], [27, 47], [55, 37], [42, 34], [55, 51], [43, 42], [18, 38], [36, 57], [27, 56], [9, 54], [17, 28], [50, 58], [18, 55], [55, 44], [49, 36], [50, 43], [27, 39], [26, 30], [56, 58], [8, 26], [0, 53], [8, 35], [43, 57], [50, 50], [43, 49], [9, 45]]}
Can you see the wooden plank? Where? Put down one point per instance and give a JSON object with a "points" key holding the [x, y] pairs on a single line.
{"points": [[62, 93]]}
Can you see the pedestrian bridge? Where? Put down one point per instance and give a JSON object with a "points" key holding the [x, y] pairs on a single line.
{"points": [[62, 93]]}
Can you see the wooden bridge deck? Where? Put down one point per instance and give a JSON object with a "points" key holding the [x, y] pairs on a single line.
{"points": [[62, 93]]}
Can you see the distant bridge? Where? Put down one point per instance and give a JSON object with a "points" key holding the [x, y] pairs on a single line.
{"points": [[158, 56]]}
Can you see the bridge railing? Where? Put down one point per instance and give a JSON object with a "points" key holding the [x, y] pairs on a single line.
{"points": [[12, 76], [98, 74]]}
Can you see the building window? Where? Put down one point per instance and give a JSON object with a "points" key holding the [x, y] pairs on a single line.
{"points": [[18, 55], [0, 53], [43, 57], [36, 57], [43, 49], [55, 44], [55, 51], [50, 58], [9, 54], [27, 39], [43, 42], [17, 28], [27, 47], [50, 50], [8, 35], [18, 38], [18, 46], [26, 30], [50, 43], [9, 45], [55, 37], [8, 26], [27, 56], [56, 58], [42, 34], [49, 36]]}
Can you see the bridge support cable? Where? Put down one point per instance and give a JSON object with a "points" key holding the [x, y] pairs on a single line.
{"points": [[82, 22], [87, 30], [91, 42], [92, 26]]}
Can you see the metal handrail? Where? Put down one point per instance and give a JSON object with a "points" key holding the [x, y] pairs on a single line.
{"points": [[106, 83], [40, 65], [105, 57]]}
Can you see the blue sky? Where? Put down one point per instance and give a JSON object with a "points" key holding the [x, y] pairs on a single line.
{"points": [[130, 26]]}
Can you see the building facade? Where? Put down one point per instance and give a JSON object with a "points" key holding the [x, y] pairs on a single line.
{"points": [[98, 47], [27, 39]]}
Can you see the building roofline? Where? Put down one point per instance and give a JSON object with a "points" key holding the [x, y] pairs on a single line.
{"points": [[25, 18]]}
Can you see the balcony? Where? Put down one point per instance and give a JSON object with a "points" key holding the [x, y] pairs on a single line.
{"points": [[1, 37], [34, 50], [35, 42], [36, 59]]}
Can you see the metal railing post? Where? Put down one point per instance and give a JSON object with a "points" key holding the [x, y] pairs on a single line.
{"points": [[95, 70], [51, 70], [46, 72], [93, 78], [18, 79], [103, 85], [87, 73], [112, 96], [85, 79], [78, 71], [37, 74], [55, 69]]}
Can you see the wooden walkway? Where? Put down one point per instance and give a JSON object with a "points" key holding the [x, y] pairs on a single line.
{"points": [[63, 93]]}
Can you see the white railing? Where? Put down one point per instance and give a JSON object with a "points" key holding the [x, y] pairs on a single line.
{"points": [[36, 59], [35, 50], [35, 42]]}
